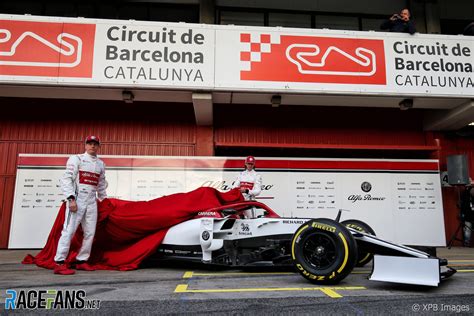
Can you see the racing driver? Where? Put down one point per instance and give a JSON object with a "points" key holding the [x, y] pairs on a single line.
{"points": [[82, 183], [250, 183]]}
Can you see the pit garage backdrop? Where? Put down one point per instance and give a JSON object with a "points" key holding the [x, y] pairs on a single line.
{"points": [[396, 197]]}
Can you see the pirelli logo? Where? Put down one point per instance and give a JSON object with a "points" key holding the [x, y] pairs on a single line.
{"points": [[324, 227]]}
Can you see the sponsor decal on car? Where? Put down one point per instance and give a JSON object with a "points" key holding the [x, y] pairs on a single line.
{"points": [[245, 230]]}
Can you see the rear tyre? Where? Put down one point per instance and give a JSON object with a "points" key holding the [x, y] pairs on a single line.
{"points": [[363, 256], [323, 251]]}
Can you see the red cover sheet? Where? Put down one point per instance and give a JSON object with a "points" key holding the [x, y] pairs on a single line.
{"points": [[128, 232]]}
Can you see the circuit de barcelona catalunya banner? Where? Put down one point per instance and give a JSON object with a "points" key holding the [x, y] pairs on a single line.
{"points": [[339, 62], [400, 199], [77, 51], [105, 53]]}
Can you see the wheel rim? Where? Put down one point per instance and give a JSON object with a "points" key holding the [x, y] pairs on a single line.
{"points": [[319, 251]]}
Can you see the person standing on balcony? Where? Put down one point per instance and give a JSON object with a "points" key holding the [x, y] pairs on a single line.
{"points": [[400, 23], [469, 29]]}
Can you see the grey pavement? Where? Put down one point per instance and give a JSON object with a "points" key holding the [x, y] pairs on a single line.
{"points": [[195, 290]]}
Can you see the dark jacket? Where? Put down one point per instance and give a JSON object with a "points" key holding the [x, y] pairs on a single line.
{"points": [[399, 25], [469, 30], [467, 214]]}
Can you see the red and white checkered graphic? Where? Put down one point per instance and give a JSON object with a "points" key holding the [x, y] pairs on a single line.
{"points": [[253, 45], [307, 58]]}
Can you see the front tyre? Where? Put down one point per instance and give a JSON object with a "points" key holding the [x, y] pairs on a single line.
{"points": [[323, 251], [363, 256]]}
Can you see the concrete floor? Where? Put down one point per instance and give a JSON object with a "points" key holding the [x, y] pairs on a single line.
{"points": [[160, 290]]}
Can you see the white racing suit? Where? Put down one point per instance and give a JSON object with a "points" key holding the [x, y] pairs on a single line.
{"points": [[84, 179], [252, 181]]}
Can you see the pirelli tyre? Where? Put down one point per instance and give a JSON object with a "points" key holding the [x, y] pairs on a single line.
{"points": [[323, 251], [363, 256]]}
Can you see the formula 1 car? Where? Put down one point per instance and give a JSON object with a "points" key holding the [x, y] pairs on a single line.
{"points": [[323, 250]]}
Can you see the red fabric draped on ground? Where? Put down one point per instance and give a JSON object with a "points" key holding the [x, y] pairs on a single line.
{"points": [[128, 232]]}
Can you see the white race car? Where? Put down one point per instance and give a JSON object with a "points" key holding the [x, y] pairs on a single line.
{"points": [[323, 250]]}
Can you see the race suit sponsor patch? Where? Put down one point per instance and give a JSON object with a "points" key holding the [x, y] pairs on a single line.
{"points": [[246, 185], [87, 177]]}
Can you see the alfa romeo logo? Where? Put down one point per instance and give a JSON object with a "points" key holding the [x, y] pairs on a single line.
{"points": [[366, 186], [205, 235]]}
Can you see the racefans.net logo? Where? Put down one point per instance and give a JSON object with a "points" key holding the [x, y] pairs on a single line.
{"points": [[49, 299]]}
